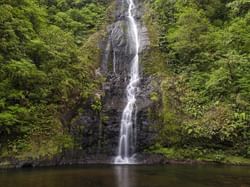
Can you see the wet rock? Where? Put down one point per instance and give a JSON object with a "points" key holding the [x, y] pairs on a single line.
{"points": [[99, 132]]}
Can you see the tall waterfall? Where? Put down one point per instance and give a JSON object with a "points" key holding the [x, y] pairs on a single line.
{"points": [[127, 128]]}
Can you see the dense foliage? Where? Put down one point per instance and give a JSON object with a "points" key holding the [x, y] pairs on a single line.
{"points": [[206, 82], [45, 69], [200, 50]]}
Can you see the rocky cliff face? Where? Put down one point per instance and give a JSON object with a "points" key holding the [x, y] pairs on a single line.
{"points": [[98, 131]]}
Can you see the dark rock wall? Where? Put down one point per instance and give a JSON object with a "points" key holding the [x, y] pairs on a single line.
{"points": [[97, 132]]}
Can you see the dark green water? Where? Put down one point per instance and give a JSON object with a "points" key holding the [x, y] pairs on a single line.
{"points": [[128, 176]]}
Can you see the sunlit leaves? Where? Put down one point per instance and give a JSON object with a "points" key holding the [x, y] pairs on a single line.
{"points": [[239, 7], [207, 44], [42, 65]]}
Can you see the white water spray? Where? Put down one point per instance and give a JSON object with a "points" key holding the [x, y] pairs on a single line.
{"points": [[127, 129]]}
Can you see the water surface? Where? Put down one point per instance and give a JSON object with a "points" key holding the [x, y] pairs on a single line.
{"points": [[128, 176]]}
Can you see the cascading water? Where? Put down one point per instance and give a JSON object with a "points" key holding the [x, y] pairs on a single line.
{"points": [[127, 129]]}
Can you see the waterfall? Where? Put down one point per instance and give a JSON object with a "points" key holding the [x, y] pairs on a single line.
{"points": [[127, 127]]}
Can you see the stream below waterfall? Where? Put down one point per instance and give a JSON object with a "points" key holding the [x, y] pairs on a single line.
{"points": [[128, 176]]}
